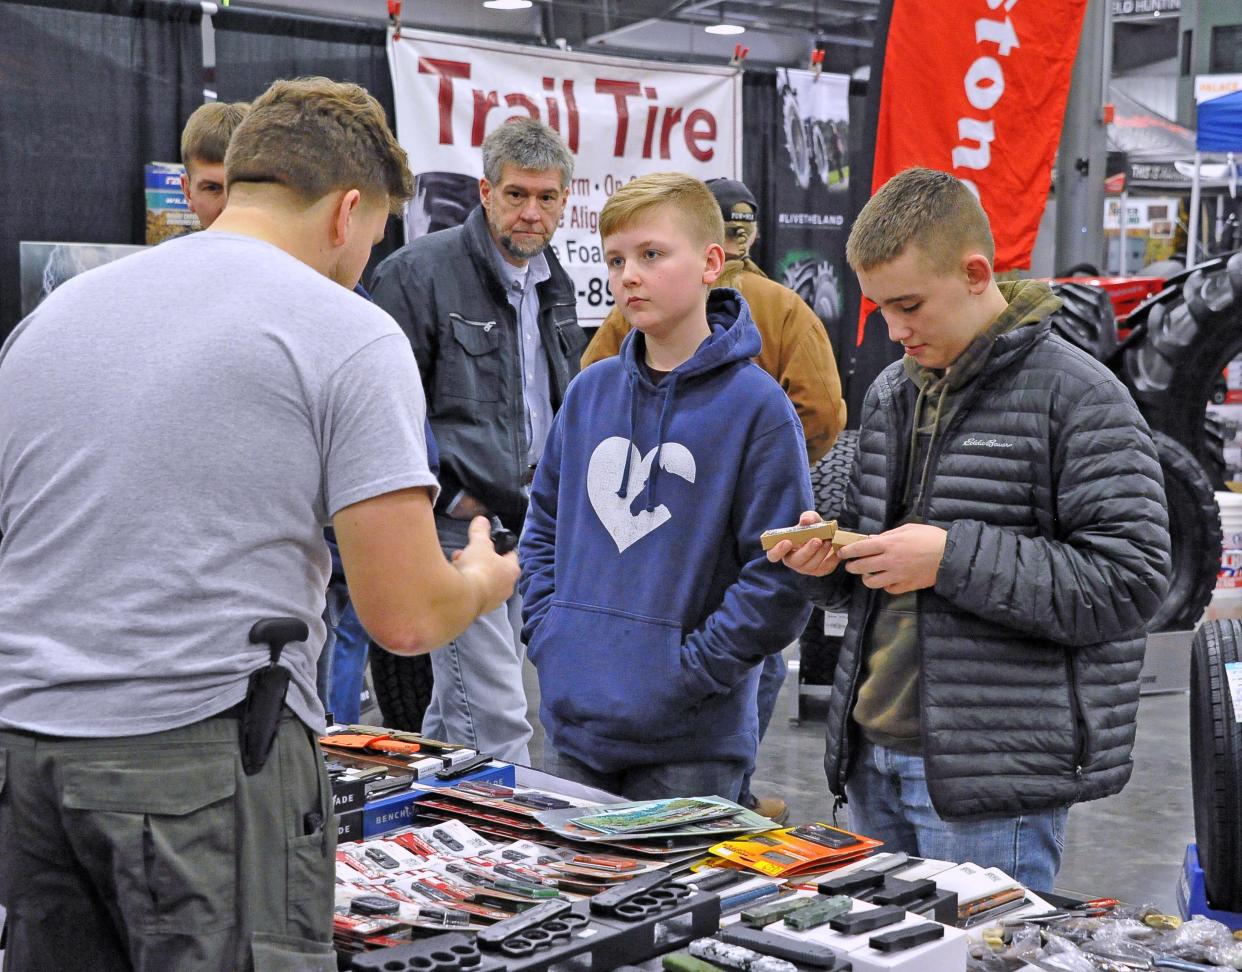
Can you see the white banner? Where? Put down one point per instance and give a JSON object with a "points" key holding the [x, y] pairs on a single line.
{"points": [[621, 119], [1209, 86]]}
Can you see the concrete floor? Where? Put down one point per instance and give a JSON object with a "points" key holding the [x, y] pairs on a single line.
{"points": [[1129, 846]]}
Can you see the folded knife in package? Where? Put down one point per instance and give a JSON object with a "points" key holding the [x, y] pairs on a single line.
{"points": [[816, 531]]}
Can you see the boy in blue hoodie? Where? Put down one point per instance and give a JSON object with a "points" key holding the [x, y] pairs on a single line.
{"points": [[648, 603]]}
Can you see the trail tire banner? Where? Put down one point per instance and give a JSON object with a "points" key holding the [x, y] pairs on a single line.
{"points": [[621, 118], [978, 88]]}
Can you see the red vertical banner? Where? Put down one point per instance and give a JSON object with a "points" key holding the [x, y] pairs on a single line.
{"points": [[978, 88]]}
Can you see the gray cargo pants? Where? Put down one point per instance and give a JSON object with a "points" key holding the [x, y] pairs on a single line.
{"points": [[157, 853]]}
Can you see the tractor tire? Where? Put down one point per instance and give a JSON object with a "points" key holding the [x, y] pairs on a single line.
{"points": [[797, 144], [1183, 338], [1194, 526], [1216, 432], [1216, 762], [1080, 270], [819, 151], [1086, 319], [402, 687]]}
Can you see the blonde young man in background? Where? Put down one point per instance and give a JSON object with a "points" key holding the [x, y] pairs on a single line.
{"points": [[204, 141]]}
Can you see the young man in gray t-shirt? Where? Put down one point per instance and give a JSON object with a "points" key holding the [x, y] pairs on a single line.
{"points": [[176, 429]]}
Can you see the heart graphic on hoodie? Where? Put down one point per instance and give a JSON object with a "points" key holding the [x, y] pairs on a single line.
{"points": [[604, 474]]}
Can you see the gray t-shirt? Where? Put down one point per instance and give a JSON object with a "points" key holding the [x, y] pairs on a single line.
{"points": [[176, 429]]}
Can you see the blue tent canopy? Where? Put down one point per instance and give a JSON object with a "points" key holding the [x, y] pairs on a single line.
{"points": [[1220, 124]]}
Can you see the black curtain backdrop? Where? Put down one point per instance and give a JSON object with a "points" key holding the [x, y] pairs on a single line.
{"points": [[863, 362], [253, 49], [93, 90], [762, 122]]}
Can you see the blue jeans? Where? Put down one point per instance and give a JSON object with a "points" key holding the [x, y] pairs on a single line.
{"points": [[335, 600], [349, 665], [770, 682], [888, 800], [341, 672], [709, 777]]}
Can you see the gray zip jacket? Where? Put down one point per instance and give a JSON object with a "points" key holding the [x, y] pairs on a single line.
{"points": [[1058, 546], [444, 291]]}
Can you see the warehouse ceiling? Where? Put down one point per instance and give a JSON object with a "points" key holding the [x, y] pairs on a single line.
{"points": [[778, 32]]}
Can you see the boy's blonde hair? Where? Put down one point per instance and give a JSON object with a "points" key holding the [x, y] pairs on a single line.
{"points": [[314, 136], [688, 196], [926, 207], [206, 135]]}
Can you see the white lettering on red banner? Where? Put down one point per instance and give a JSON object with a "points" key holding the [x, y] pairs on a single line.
{"points": [[980, 91]]}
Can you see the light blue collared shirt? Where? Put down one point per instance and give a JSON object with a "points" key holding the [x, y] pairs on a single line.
{"points": [[520, 284]]}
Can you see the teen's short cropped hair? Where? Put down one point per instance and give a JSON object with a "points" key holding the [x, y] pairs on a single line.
{"points": [[206, 135], [929, 208], [314, 136], [687, 196]]}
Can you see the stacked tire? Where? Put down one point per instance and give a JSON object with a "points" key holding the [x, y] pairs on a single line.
{"points": [[1216, 762]]}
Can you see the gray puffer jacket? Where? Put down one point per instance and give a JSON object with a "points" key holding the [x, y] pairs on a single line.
{"points": [[1033, 636]]}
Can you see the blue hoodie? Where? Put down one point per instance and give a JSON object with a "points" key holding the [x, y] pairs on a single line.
{"points": [[647, 600]]}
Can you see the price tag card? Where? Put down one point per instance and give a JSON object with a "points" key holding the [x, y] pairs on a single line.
{"points": [[1233, 675]]}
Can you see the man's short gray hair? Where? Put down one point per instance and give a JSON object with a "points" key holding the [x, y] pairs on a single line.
{"points": [[527, 144]]}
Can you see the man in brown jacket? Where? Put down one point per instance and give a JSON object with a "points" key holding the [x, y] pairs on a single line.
{"points": [[796, 352]]}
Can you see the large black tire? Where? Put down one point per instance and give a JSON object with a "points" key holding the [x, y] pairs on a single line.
{"points": [[402, 687], [1086, 319], [1194, 522], [1184, 337], [830, 481], [1216, 763]]}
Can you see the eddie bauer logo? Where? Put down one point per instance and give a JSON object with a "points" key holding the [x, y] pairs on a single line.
{"points": [[989, 443]]}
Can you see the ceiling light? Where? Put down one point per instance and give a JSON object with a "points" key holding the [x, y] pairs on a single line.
{"points": [[722, 25], [506, 4]]}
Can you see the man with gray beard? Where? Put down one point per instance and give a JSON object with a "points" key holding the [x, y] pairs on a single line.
{"points": [[491, 316]]}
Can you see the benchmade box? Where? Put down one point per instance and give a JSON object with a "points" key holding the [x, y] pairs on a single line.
{"points": [[357, 820]]}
